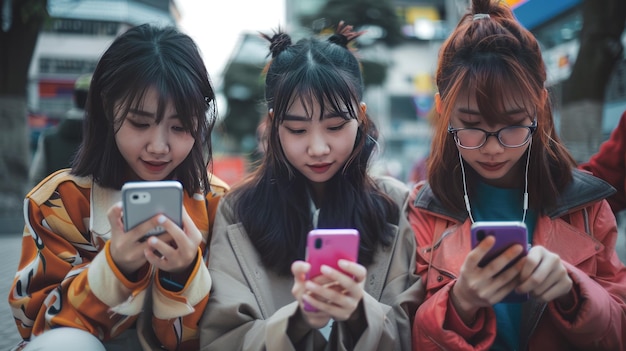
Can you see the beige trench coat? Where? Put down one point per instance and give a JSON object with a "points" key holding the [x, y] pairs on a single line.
{"points": [[249, 307]]}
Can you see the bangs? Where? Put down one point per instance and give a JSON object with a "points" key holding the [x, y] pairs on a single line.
{"points": [[498, 85], [183, 96], [330, 90], [499, 93]]}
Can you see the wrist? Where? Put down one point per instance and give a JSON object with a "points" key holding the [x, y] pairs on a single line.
{"points": [[465, 310], [297, 327], [176, 281], [357, 322]]}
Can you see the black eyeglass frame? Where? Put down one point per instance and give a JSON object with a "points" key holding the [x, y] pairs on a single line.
{"points": [[454, 131]]}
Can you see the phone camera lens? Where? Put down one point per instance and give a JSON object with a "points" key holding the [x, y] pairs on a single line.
{"points": [[318, 243], [135, 197], [480, 235]]}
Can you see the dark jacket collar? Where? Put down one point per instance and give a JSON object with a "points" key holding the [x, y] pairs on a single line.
{"points": [[584, 189]]}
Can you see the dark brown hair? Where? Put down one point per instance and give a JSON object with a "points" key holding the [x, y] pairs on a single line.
{"points": [[496, 59], [142, 58]]}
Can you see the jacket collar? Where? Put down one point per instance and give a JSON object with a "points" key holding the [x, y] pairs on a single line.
{"points": [[100, 202], [584, 189]]}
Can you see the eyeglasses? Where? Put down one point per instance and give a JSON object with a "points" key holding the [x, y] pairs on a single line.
{"points": [[511, 136]]}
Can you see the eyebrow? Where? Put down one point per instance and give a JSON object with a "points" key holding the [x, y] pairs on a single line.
{"points": [[476, 112], [289, 117], [149, 114]]}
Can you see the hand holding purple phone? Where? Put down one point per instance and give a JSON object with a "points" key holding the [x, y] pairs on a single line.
{"points": [[506, 234]]}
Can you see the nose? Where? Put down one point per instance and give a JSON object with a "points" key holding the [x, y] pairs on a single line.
{"points": [[159, 141], [492, 145], [318, 146]]}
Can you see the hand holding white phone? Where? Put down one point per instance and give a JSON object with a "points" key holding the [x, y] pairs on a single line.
{"points": [[143, 200]]}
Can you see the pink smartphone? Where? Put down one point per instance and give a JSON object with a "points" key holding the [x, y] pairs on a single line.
{"points": [[328, 246], [506, 233]]}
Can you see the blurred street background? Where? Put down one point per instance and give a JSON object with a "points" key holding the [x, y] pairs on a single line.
{"points": [[46, 44]]}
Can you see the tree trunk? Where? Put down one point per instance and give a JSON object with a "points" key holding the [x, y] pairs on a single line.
{"points": [[584, 91], [14, 159], [18, 36]]}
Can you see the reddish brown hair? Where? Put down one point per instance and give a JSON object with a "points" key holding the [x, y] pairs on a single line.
{"points": [[494, 58]]}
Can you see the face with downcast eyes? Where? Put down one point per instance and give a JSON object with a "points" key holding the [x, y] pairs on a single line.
{"points": [[153, 150], [497, 164], [317, 146]]}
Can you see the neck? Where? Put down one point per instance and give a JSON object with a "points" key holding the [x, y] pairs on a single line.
{"points": [[317, 192]]}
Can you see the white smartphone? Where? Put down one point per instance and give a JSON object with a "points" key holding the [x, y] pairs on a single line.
{"points": [[143, 200]]}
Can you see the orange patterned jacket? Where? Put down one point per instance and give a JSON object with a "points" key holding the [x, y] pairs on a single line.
{"points": [[66, 276]]}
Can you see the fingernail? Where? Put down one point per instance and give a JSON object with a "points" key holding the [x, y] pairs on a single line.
{"points": [[153, 240], [161, 219], [325, 269]]}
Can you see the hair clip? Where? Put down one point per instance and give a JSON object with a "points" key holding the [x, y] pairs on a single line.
{"points": [[207, 100], [479, 16]]}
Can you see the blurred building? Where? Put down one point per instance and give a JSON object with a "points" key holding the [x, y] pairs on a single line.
{"points": [[72, 41], [400, 102], [557, 26]]}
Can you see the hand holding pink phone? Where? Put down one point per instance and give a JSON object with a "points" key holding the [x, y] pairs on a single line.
{"points": [[327, 247]]}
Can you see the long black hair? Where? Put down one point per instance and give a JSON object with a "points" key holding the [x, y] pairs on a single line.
{"points": [[147, 57], [273, 203]]}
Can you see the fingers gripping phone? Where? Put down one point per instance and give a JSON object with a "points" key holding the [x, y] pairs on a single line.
{"points": [[327, 247], [506, 234], [143, 200]]}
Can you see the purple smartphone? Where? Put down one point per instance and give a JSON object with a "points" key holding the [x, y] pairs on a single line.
{"points": [[506, 233], [328, 246]]}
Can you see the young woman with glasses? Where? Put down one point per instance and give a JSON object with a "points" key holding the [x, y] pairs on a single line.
{"points": [[496, 156]]}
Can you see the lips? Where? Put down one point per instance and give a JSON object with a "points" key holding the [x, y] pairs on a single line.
{"points": [[492, 167], [320, 167], [154, 166]]}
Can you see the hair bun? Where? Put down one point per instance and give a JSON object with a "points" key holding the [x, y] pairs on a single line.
{"points": [[344, 34], [278, 43], [338, 39]]}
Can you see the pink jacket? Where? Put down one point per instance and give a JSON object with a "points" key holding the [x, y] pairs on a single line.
{"points": [[609, 163], [582, 230]]}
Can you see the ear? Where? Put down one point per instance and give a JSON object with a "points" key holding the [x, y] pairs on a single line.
{"points": [[362, 111], [438, 103]]}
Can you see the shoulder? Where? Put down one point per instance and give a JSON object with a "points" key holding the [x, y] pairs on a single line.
{"points": [[52, 184], [587, 186], [396, 189], [583, 190], [218, 186], [423, 198]]}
